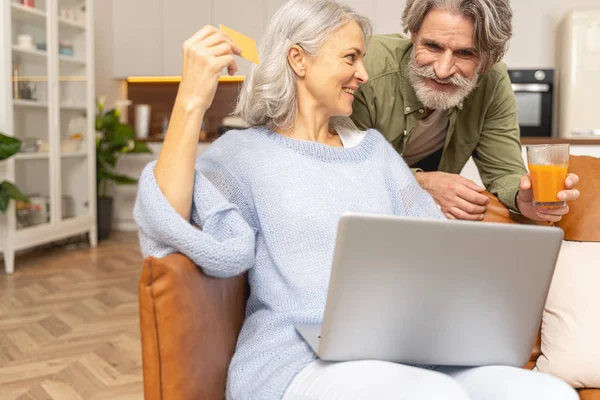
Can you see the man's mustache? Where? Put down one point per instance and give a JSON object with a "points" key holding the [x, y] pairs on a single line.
{"points": [[429, 72]]}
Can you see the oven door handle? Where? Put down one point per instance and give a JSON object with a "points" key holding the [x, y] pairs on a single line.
{"points": [[531, 87]]}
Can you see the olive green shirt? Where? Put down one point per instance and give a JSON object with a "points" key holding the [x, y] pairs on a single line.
{"points": [[484, 125]]}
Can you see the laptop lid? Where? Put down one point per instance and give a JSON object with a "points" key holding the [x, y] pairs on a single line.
{"points": [[440, 292]]}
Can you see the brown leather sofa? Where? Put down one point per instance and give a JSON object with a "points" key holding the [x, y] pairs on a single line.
{"points": [[190, 322]]}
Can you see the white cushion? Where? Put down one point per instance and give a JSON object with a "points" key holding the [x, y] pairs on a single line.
{"points": [[571, 319]]}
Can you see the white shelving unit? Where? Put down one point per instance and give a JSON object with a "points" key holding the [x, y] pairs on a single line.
{"points": [[52, 106]]}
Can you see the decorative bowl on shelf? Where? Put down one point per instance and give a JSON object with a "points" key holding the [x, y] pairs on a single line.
{"points": [[72, 144], [31, 145], [36, 212], [65, 48]]}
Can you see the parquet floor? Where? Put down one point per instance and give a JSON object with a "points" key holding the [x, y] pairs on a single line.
{"points": [[69, 324]]}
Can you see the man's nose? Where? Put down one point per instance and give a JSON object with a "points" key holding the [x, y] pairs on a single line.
{"points": [[445, 66]]}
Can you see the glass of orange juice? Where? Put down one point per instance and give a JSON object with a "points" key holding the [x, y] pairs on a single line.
{"points": [[548, 165]]}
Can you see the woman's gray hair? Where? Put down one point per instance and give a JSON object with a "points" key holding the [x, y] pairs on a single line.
{"points": [[268, 94], [492, 23]]}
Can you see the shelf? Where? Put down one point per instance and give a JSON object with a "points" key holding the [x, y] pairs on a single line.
{"points": [[34, 56], [32, 228], [27, 15], [75, 154], [71, 26], [31, 156], [30, 104], [71, 60], [45, 233], [37, 55], [43, 105], [73, 107]]}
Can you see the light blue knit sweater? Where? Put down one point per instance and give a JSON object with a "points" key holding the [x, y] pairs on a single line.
{"points": [[270, 205]]}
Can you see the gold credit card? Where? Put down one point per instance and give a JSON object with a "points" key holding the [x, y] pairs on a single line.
{"points": [[248, 45]]}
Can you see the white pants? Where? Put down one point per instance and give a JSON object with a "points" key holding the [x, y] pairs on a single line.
{"points": [[380, 380]]}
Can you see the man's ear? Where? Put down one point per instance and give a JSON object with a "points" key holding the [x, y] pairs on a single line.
{"points": [[296, 58]]}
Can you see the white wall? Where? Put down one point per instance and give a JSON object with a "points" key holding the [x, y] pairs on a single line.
{"points": [[535, 23], [533, 45], [106, 85]]}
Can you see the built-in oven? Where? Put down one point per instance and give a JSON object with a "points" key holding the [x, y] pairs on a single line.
{"points": [[534, 92]]}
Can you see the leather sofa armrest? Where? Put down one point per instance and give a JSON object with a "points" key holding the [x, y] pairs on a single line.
{"points": [[496, 211], [189, 326]]}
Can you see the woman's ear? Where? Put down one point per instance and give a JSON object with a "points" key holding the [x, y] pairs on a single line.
{"points": [[296, 58]]}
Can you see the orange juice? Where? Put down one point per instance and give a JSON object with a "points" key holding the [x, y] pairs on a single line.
{"points": [[547, 181]]}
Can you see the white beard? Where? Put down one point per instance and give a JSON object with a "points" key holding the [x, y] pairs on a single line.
{"points": [[437, 99]]}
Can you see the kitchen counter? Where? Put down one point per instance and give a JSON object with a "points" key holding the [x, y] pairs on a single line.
{"points": [[589, 141]]}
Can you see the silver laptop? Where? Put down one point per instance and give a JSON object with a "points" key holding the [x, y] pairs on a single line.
{"points": [[423, 291]]}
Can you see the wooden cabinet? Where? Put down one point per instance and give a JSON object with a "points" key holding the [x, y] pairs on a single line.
{"points": [[52, 112], [137, 37]]}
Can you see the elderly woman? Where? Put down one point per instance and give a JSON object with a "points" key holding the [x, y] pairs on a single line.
{"points": [[267, 200]]}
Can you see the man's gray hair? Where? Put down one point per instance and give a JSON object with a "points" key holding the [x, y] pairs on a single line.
{"points": [[492, 23], [268, 94]]}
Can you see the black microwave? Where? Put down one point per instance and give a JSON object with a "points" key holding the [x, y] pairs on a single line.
{"points": [[534, 93]]}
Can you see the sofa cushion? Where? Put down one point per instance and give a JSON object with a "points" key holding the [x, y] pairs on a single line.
{"points": [[571, 326]]}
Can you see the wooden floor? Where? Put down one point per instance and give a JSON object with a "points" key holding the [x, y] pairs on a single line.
{"points": [[69, 323]]}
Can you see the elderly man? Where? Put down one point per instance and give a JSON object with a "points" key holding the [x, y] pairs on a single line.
{"points": [[443, 96]]}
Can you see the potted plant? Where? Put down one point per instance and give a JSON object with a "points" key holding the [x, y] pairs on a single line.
{"points": [[8, 147], [113, 139]]}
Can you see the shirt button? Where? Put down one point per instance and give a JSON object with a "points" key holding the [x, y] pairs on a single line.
{"points": [[404, 133], [421, 110], [407, 109]]}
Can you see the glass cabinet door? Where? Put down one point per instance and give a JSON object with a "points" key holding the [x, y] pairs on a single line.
{"points": [[30, 102], [73, 99]]}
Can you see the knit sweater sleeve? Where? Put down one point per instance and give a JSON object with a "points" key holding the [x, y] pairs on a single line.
{"points": [[217, 238], [410, 199]]}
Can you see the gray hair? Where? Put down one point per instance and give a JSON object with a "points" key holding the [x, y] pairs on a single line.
{"points": [[268, 94], [492, 23]]}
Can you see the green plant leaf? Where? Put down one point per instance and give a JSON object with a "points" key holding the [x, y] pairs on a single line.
{"points": [[125, 131], [113, 139], [8, 146], [107, 157], [13, 191], [9, 191], [118, 137], [107, 120], [140, 147], [4, 199]]}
